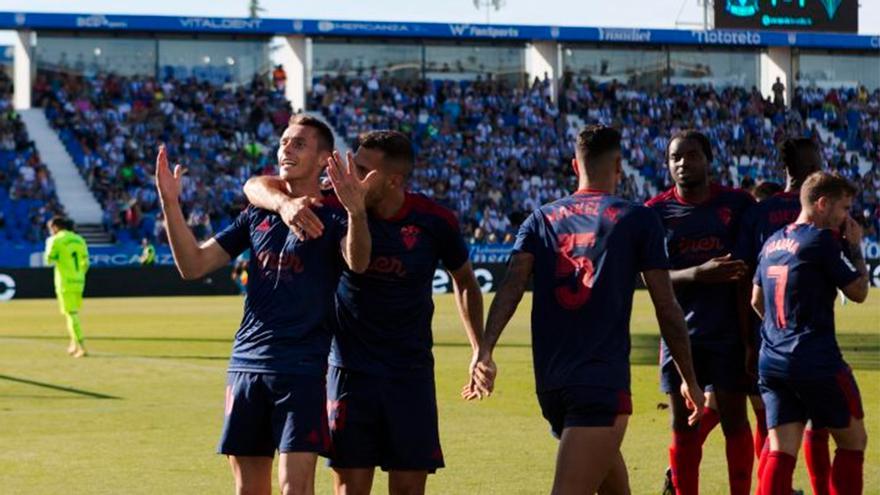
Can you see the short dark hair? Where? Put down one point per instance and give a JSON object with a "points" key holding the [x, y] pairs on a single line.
{"points": [[594, 141], [396, 147], [820, 184], [766, 189], [61, 222], [325, 135], [789, 154], [695, 135]]}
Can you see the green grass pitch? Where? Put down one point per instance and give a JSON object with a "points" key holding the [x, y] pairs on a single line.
{"points": [[143, 413]]}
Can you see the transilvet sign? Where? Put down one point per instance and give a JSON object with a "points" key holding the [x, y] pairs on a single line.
{"points": [[452, 31]]}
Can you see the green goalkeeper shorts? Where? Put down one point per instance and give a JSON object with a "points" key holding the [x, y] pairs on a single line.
{"points": [[69, 301]]}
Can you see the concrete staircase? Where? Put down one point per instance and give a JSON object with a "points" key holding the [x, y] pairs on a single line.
{"points": [[828, 137], [72, 190]]}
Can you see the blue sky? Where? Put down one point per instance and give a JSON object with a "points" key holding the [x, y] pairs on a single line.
{"points": [[624, 13]]}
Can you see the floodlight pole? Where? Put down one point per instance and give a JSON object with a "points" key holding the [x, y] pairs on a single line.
{"points": [[489, 4]]}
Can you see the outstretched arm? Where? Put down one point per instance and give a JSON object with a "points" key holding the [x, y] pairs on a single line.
{"points": [[719, 270], [675, 334], [509, 294], [469, 301], [193, 261]]}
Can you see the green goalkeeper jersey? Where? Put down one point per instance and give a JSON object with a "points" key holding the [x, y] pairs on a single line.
{"points": [[67, 251]]}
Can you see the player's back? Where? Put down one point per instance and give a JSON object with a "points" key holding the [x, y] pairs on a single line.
{"points": [[69, 253], [588, 249], [763, 220], [799, 270]]}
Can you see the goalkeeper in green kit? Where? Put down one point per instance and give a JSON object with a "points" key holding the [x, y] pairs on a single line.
{"points": [[67, 251]]}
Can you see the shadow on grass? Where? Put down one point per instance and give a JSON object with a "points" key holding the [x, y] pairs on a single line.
{"points": [[71, 390]]}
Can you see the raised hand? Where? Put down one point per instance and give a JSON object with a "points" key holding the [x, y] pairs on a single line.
{"points": [[167, 182], [720, 270], [350, 189], [852, 232]]}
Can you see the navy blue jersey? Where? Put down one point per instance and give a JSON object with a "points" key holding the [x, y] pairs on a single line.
{"points": [[589, 249], [696, 233], [763, 220], [800, 269], [382, 323], [289, 291]]}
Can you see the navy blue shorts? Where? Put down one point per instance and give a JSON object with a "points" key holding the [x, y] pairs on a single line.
{"points": [[381, 421], [716, 367], [269, 412], [828, 402], [582, 405]]}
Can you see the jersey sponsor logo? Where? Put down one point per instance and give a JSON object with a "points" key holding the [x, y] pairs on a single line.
{"points": [[700, 245], [787, 245], [410, 236], [273, 261], [387, 265], [264, 225]]}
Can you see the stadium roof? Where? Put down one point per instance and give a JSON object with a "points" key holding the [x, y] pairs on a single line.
{"points": [[448, 31]]}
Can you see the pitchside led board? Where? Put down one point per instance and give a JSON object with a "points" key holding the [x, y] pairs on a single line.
{"points": [[840, 16]]}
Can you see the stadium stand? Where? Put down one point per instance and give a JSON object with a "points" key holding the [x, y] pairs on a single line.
{"points": [[488, 149], [112, 126], [27, 192]]}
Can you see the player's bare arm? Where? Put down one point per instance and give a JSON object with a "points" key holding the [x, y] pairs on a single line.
{"points": [[270, 193], [351, 191], [469, 301], [758, 300], [674, 332], [193, 261], [857, 290], [720, 270], [503, 307]]}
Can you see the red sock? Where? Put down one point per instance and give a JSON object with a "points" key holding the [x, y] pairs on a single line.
{"points": [[776, 478], [760, 431], [708, 422], [740, 458], [762, 464], [818, 460], [847, 473], [685, 455]]}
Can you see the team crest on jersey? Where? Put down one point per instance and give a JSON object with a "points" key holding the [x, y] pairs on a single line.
{"points": [[264, 225], [410, 235], [724, 214]]}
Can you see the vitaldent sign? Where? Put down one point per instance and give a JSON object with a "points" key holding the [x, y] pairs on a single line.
{"points": [[220, 24]]}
